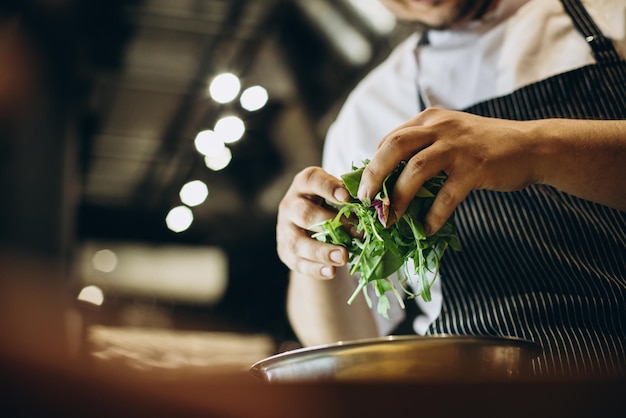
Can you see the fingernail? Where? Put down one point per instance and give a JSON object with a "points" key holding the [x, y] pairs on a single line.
{"points": [[327, 272], [336, 256], [362, 193], [428, 229], [341, 194]]}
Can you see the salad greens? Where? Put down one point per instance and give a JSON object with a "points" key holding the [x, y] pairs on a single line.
{"points": [[386, 245]]}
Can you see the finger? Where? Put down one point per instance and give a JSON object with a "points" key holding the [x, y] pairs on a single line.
{"points": [[311, 257], [306, 214], [319, 270], [321, 253], [451, 194], [316, 270], [314, 181], [423, 166], [399, 145]]}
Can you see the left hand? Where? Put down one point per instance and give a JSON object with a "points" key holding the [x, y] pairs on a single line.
{"points": [[475, 152]]}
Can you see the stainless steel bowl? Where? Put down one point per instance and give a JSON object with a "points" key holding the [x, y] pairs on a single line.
{"points": [[443, 358]]}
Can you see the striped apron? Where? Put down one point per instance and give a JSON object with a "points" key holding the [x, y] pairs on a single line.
{"points": [[540, 264]]}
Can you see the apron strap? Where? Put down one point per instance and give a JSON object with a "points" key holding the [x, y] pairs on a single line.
{"points": [[601, 46], [423, 40]]}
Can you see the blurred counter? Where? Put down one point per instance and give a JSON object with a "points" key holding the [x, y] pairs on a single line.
{"points": [[137, 372], [47, 390]]}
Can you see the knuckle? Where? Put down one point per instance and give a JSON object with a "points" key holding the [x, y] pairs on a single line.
{"points": [[446, 196], [437, 216], [285, 250], [303, 212], [429, 112], [447, 199], [283, 207], [292, 248], [307, 174], [397, 139], [308, 268], [328, 185], [415, 164], [299, 265], [295, 211], [322, 253], [432, 116], [316, 181]]}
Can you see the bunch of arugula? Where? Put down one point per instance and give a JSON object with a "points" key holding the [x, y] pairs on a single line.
{"points": [[385, 245]]}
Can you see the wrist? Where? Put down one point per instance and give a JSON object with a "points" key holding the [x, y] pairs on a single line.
{"points": [[548, 145]]}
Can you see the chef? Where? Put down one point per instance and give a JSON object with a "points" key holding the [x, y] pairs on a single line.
{"points": [[522, 103]]}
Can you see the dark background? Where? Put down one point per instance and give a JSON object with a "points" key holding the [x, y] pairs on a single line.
{"points": [[100, 101]]}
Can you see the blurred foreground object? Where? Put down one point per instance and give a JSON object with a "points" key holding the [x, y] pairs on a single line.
{"points": [[40, 375]]}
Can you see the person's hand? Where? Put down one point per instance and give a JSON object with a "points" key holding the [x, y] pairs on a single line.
{"points": [[475, 152], [302, 207]]}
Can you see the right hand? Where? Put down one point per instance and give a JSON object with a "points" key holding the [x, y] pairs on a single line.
{"points": [[301, 207]]}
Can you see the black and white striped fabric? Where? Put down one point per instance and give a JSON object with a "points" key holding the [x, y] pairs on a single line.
{"points": [[540, 264]]}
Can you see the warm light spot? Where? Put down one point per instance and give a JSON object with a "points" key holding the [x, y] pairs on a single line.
{"points": [[104, 260], [194, 193], [208, 143], [179, 219], [230, 129], [253, 98], [219, 162], [224, 88], [91, 294]]}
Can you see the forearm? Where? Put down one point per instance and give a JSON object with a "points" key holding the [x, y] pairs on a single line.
{"points": [[584, 158], [319, 313]]}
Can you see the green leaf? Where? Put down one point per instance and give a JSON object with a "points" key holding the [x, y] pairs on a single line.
{"points": [[424, 192], [352, 180], [382, 250]]}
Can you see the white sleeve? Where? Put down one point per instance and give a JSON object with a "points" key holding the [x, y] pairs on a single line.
{"points": [[384, 99]]}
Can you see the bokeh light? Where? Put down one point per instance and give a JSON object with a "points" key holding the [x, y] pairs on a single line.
{"points": [[208, 143], [224, 87], [104, 260], [91, 294], [229, 129], [219, 162], [194, 193], [179, 219], [253, 98]]}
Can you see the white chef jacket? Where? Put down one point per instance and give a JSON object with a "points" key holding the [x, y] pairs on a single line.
{"points": [[518, 43]]}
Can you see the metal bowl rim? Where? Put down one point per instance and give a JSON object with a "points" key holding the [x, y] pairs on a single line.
{"points": [[258, 367]]}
